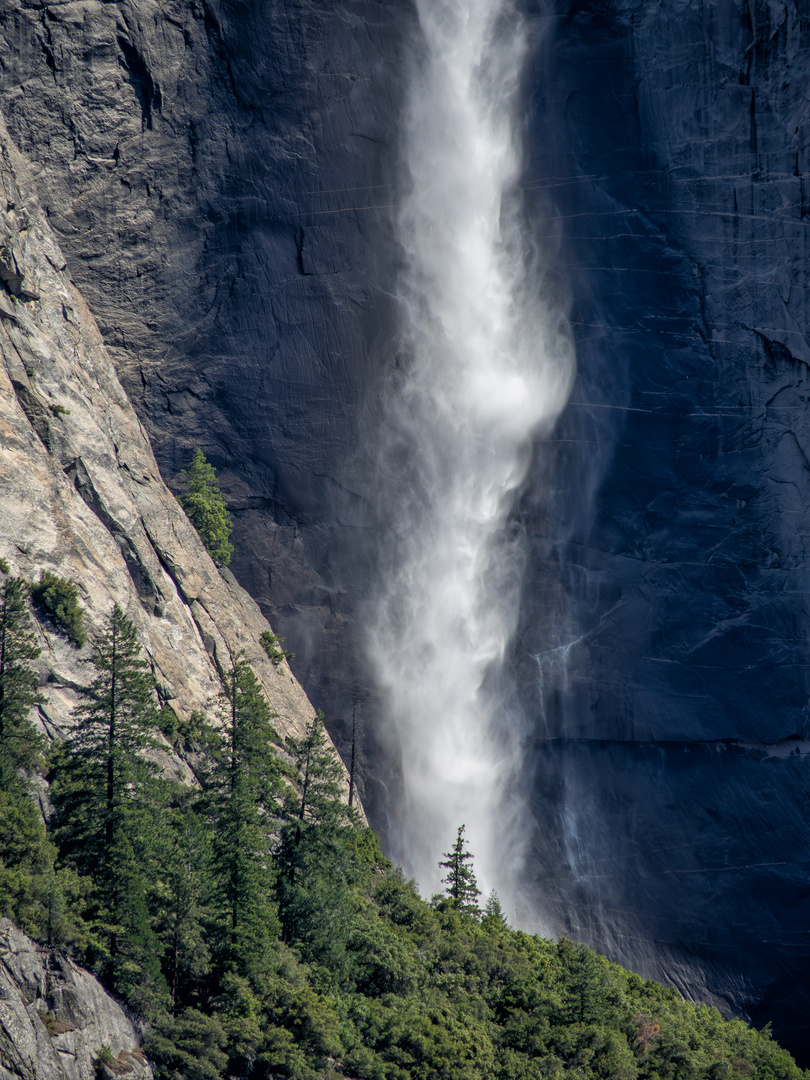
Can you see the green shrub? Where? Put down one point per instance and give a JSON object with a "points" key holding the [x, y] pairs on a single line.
{"points": [[178, 729], [205, 508], [168, 723], [105, 1055], [272, 646], [60, 600], [190, 1045]]}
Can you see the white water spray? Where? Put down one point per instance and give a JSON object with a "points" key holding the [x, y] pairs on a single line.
{"points": [[490, 367]]}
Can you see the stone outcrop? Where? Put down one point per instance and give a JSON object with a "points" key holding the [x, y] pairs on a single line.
{"points": [[82, 496], [56, 1020]]}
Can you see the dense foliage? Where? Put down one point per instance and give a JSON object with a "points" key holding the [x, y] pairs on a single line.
{"points": [[205, 507], [255, 926], [32, 890], [59, 599], [19, 741]]}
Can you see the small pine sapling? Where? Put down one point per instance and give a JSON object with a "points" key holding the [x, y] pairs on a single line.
{"points": [[493, 918], [205, 508]]}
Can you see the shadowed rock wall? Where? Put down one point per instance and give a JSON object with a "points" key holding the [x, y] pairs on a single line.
{"points": [[666, 624]]}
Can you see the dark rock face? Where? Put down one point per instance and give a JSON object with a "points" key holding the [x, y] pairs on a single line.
{"points": [[218, 175], [669, 617]]}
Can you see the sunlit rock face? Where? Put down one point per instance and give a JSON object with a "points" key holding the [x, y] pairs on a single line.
{"points": [[57, 1017], [666, 623]]}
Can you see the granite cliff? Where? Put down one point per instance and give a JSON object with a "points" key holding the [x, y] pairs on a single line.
{"points": [[195, 161], [218, 176], [56, 1020], [83, 498]]}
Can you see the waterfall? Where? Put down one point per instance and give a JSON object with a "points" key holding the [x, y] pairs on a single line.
{"points": [[487, 367]]}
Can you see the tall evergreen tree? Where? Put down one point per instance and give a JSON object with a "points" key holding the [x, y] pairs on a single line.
{"points": [[462, 887], [244, 787], [108, 805], [182, 898], [32, 892], [116, 723], [315, 864], [321, 776], [20, 743], [205, 507]]}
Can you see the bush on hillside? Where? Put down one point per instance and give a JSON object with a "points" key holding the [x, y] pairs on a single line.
{"points": [[59, 599]]}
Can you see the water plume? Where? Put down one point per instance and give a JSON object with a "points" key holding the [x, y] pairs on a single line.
{"points": [[488, 367]]}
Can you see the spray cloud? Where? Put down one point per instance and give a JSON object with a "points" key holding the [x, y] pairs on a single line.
{"points": [[489, 369]]}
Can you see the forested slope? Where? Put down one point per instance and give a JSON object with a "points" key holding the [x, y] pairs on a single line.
{"points": [[248, 919]]}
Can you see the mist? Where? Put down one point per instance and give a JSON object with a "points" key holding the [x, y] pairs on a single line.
{"points": [[487, 366]]}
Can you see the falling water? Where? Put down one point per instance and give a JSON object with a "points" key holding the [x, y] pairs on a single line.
{"points": [[488, 369]]}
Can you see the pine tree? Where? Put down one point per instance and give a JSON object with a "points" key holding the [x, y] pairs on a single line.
{"points": [[244, 789], [115, 725], [182, 898], [30, 892], [315, 806], [460, 881], [587, 997], [493, 918], [205, 507], [314, 860], [20, 744], [109, 809], [321, 778]]}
